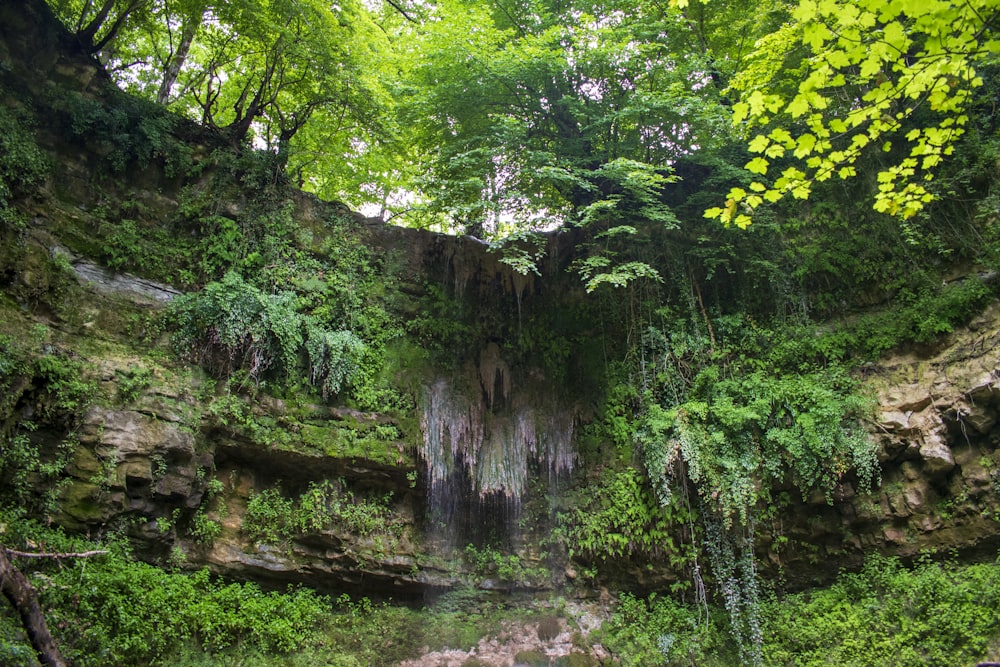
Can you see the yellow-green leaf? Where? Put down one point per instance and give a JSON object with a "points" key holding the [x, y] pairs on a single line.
{"points": [[758, 144], [758, 165]]}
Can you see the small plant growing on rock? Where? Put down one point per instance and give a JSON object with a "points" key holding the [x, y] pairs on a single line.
{"points": [[549, 628], [474, 662], [531, 659], [132, 383]]}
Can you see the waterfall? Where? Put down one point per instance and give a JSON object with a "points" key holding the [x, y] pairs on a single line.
{"points": [[480, 447]]}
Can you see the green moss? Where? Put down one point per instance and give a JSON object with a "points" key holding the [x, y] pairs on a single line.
{"points": [[575, 660], [83, 502]]}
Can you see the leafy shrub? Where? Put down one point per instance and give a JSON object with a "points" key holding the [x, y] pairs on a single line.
{"points": [[233, 325], [274, 518], [270, 517], [938, 613], [111, 610], [491, 562], [132, 382], [134, 131], [661, 631]]}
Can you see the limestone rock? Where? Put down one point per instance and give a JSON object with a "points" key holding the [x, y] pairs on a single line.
{"points": [[937, 457]]}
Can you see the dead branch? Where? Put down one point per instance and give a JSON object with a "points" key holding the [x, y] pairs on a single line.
{"points": [[19, 591], [32, 554]]}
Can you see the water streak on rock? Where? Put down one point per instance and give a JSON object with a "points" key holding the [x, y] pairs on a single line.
{"points": [[495, 450]]}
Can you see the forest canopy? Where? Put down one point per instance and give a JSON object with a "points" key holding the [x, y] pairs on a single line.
{"points": [[501, 117]]}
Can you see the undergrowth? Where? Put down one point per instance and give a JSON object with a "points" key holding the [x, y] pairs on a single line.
{"points": [[111, 610], [936, 613]]}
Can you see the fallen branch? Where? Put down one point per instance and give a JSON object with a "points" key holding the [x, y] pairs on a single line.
{"points": [[19, 591], [32, 554]]}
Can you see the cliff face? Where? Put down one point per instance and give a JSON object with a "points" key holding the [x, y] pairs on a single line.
{"points": [[937, 444], [498, 373]]}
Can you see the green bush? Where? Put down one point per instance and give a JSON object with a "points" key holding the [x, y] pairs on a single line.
{"points": [[109, 610], [273, 518], [270, 517], [937, 613], [232, 325], [661, 631], [133, 131]]}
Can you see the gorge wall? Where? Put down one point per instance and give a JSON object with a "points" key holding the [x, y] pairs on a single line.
{"points": [[498, 375]]}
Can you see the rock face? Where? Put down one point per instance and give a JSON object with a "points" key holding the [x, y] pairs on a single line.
{"points": [[937, 444], [150, 462], [184, 467]]}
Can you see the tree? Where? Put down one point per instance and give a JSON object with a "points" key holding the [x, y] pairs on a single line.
{"points": [[21, 594], [253, 70], [537, 114], [848, 78], [98, 25]]}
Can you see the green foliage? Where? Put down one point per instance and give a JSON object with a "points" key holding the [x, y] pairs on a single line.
{"points": [[489, 561], [744, 417], [334, 358], [111, 610], [270, 517], [203, 528], [23, 165], [54, 389], [128, 131], [549, 114], [305, 314], [274, 518], [661, 631], [919, 316], [233, 325], [531, 659], [938, 613], [857, 96], [622, 519], [734, 568], [133, 382]]}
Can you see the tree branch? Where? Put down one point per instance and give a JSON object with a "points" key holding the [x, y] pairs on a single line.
{"points": [[19, 591], [34, 554]]}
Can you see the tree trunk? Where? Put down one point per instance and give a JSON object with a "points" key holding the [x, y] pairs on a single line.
{"points": [[16, 588], [176, 61]]}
